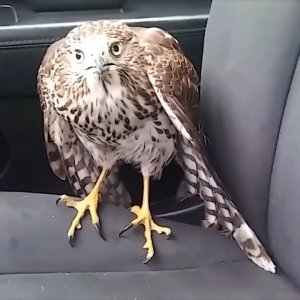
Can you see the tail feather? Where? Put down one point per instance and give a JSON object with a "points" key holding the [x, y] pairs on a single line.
{"points": [[220, 211], [248, 242]]}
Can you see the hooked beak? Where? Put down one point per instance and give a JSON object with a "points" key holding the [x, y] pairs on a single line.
{"points": [[97, 67]]}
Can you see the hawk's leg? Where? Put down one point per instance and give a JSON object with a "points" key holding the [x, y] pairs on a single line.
{"points": [[144, 217], [90, 203]]}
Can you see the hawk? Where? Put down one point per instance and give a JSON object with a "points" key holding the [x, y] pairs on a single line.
{"points": [[113, 93]]}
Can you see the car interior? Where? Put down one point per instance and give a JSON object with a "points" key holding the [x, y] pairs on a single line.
{"points": [[247, 56]]}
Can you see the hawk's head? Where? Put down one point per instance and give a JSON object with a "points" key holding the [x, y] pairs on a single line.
{"points": [[96, 49]]}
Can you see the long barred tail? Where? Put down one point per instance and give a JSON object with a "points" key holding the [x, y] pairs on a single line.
{"points": [[220, 212]]}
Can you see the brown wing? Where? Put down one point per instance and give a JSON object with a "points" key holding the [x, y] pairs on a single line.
{"points": [[175, 83], [173, 73], [68, 157], [49, 115]]}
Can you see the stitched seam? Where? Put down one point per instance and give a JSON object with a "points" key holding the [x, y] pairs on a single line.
{"points": [[277, 140], [216, 263]]}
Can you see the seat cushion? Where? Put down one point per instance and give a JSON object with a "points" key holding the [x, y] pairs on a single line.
{"points": [[36, 261], [250, 106], [284, 221], [250, 53]]}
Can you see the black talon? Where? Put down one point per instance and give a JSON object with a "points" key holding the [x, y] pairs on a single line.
{"points": [[125, 229], [170, 236], [72, 241], [98, 228], [146, 260], [57, 201]]}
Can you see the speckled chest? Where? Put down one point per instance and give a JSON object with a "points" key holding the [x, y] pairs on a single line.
{"points": [[110, 120], [112, 111]]}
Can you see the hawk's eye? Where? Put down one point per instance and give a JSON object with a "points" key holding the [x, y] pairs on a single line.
{"points": [[79, 55], [115, 49]]}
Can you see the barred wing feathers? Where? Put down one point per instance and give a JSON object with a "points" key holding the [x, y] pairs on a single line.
{"points": [[176, 83]]}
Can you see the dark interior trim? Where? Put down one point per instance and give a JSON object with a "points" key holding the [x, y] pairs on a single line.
{"points": [[40, 27]]}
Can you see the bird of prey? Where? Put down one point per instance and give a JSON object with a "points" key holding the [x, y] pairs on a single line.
{"points": [[113, 93]]}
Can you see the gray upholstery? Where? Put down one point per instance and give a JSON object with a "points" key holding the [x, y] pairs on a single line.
{"points": [[284, 212], [250, 55], [37, 242], [210, 282], [35, 259]]}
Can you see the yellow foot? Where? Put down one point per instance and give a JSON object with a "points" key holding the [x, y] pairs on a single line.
{"points": [[89, 203], [144, 218]]}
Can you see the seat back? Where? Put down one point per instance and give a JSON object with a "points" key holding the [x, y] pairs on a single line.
{"points": [[250, 106]]}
